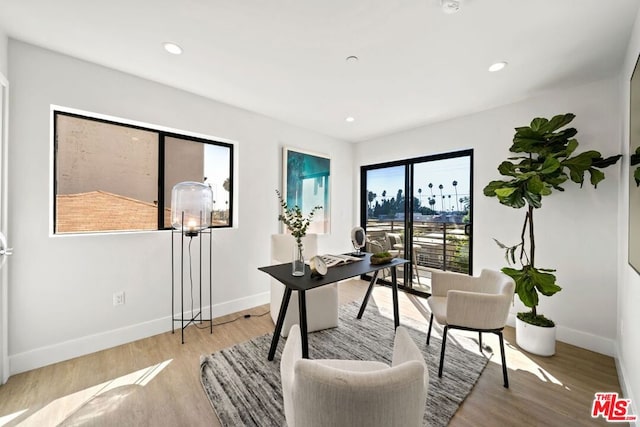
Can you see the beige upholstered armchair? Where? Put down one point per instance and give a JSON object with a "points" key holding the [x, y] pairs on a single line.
{"points": [[354, 393], [459, 301], [322, 302]]}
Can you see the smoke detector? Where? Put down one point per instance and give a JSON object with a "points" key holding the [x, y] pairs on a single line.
{"points": [[450, 6]]}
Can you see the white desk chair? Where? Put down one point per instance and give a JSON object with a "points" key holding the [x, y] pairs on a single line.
{"points": [[322, 303], [481, 304], [354, 393]]}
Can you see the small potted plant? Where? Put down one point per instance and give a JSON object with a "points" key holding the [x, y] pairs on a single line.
{"points": [[297, 225], [545, 158]]}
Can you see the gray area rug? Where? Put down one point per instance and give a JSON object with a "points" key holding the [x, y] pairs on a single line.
{"points": [[244, 387]]}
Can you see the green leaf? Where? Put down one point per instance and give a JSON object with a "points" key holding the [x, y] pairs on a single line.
{"points": [[571, 147], [490, 189], [535, 185], [500, 244], [514, 199], [539, 124], [558, 121], [507, 168], [551, 164], [534, 200], [636, 176], [596, 176], [504, 191], [529, 281], [544, 282], [601, 163]]}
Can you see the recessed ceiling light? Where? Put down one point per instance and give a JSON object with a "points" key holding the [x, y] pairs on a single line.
{"points": [[172, 48], [497, 66], [450, 6], [352, 58], [350, 119]]}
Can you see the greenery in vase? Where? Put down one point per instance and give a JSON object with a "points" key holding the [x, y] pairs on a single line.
{"points": [[545, 159], [293, 219]]}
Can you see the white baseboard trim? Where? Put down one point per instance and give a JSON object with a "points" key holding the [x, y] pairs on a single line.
{"points": [[66, 350], [626, 390], [579, 338]]}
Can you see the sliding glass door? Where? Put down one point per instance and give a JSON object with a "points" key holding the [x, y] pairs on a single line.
{"points": [[420, 209]]}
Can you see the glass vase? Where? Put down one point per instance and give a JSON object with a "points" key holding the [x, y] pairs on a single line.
{"points": [[297, 265]]}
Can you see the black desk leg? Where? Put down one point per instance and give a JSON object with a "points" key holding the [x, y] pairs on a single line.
{"points": [[394, 291], [302, 305], [283, 311], [368, 294]]}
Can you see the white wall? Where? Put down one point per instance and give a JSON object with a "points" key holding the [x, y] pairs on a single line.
{"points": [[4, 43], [574, 231], [61, 287], [629, 281]]}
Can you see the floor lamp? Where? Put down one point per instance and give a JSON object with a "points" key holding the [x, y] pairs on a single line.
{"points": [[191, 211]]}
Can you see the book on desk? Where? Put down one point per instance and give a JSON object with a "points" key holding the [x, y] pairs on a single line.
{"points": [[333, 260]]}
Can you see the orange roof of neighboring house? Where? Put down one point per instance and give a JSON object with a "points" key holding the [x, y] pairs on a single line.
{"points": [[103, 211]]}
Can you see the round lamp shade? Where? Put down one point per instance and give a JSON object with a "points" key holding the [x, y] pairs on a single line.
{"points": [[191, 207]]}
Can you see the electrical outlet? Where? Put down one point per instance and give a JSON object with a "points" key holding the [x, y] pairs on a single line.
{"points": [[118, 298]]}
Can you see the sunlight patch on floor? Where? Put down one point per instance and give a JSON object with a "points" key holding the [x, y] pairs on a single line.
{"points": [[8, 418], [61, 409]]}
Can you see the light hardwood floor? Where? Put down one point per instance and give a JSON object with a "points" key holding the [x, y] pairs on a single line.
{"points": [[156, 382]]}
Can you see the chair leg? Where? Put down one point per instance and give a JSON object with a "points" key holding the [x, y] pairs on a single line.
{"points": [[480, 341], [429, 331], [444, 344], [504, 361]]}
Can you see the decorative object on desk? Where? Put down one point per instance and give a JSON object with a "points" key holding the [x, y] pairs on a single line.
{"points": [[297, 225], [317, 266], [358, 240], [306, 184], [191, 207], [244, 388], [381, 258], [545, 160]]}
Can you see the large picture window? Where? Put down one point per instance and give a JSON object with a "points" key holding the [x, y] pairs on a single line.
{"points": [[113, 176]]}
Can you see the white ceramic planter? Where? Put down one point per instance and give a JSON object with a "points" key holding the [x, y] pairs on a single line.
{"points": [[536, 339]]}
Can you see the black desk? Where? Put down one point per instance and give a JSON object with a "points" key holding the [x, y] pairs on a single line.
{"points": [[282, 273]]}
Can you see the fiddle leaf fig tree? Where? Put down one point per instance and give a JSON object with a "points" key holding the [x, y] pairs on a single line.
{"points": [[545, 159], [635, 160]]}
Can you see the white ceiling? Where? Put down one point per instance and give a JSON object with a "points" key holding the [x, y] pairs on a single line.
{"points": [[286, 58]]}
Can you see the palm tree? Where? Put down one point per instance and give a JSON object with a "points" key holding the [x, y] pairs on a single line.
{"points": [[420, 195], [227, 187], [431, 189], [455, 188], [371, 197], [442, 203]]}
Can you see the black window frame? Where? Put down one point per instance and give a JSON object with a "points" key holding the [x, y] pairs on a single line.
{"points": [[162, 134], [408, 164]]}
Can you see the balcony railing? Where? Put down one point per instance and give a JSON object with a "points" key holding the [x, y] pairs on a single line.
{"points": [[439, 245]]}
